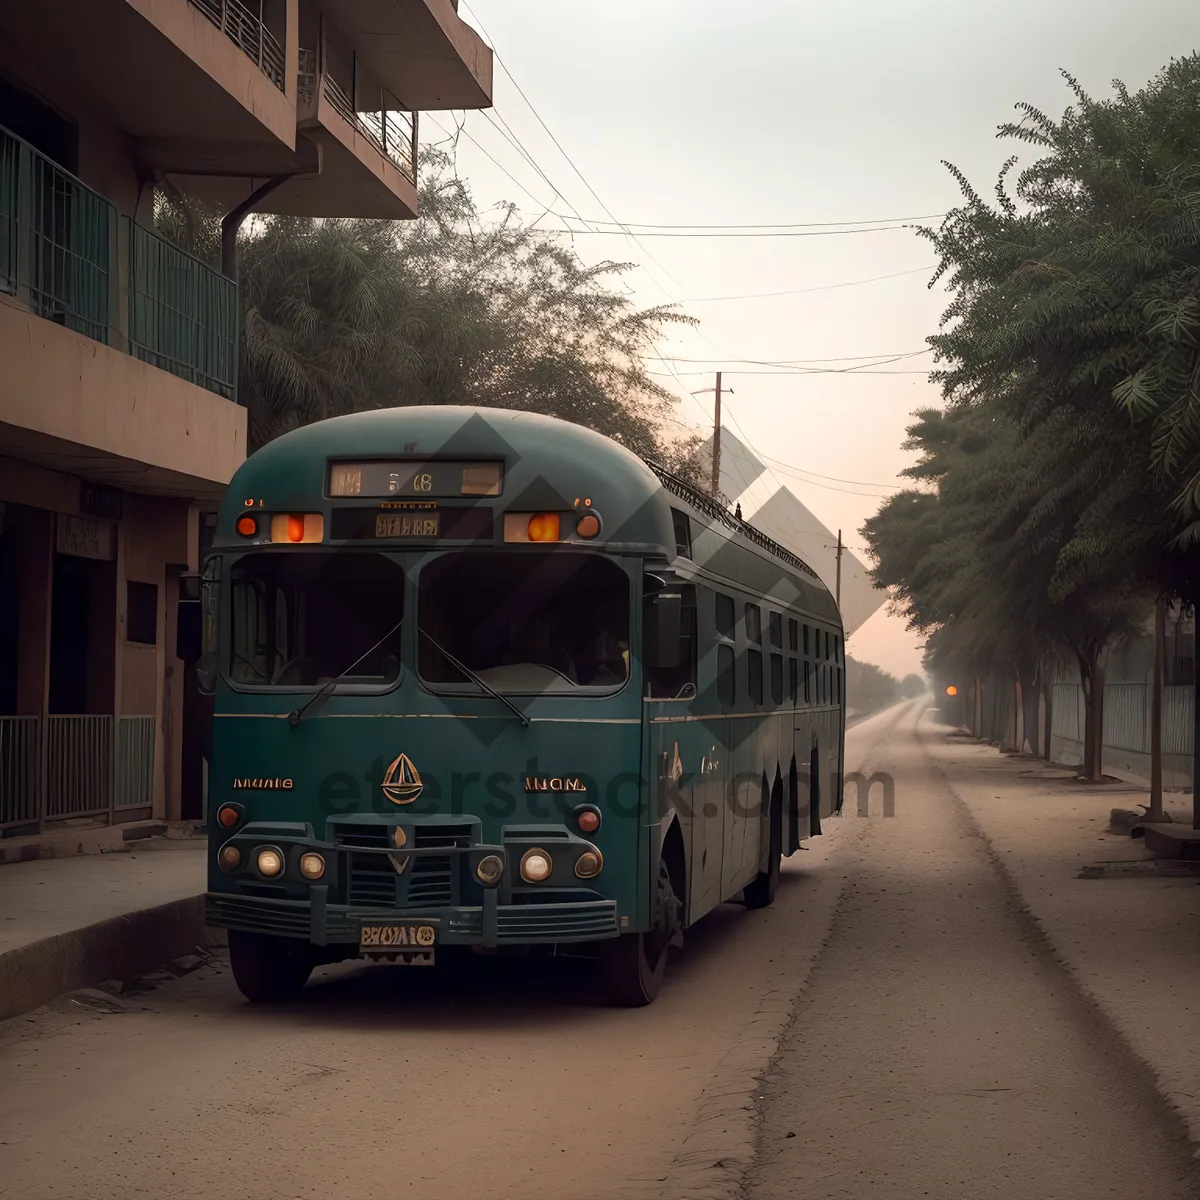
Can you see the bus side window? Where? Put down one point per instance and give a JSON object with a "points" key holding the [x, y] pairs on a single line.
{"points": [[777, 679], [754, 658], [806, 652], [808, 673], [725, 618], [793, 634], [726, 676], [677, 682], [793, 681], [776, 629]]}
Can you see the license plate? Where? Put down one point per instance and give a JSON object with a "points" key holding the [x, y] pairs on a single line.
{"points": [[416, 938], [389, 526]]}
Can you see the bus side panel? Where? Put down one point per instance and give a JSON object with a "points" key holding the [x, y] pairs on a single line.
{"points": [[742, 770], [709, 740]]}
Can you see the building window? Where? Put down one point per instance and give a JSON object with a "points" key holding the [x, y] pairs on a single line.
{"points": [[793, 634], [141, 613], [776, 629], [777, 679], [683, 532], [793, 681], [724, 616], [753, 625], [726, 677], [754, 675]]}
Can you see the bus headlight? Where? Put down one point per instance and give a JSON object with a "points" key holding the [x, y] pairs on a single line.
{"points": [[312, 866], [269, 862], [589, 864], [536, 866], [489, 870], [229, 858]]}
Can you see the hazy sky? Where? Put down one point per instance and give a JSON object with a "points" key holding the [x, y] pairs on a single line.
{"points": [[703, 113]]}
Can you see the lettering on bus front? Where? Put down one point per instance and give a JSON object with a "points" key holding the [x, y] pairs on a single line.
{"points": [[554, 783]]}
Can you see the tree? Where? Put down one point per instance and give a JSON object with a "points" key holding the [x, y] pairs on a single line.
{"points": [[868, 688], [912, 686], [456, 307]]}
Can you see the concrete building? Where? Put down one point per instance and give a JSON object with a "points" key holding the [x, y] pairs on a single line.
{"points": [[119, 414]]}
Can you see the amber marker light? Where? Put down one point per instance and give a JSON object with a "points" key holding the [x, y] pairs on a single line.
{"points": [[247, 526], [295, 528], [588, 526], [536, 866], [312, 866], [228, 816], [229, 858], [543, 527], [589, 864], [952, 690]]}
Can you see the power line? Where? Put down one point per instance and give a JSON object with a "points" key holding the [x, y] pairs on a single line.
{"points": [[865, 359], [785, 234], [793, 372], [768, 225], [825, 287]]}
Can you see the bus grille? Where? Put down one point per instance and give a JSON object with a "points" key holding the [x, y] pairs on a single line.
{"points": [[373, 880]]}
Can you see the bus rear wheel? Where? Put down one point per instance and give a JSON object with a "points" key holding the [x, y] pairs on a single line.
{"points": [[761, 893], [269, 968], [633, 966]]}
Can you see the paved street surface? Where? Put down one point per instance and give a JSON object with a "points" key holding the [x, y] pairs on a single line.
{"points": [[932, 1047]]}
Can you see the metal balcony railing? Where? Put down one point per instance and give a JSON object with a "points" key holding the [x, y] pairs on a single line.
{"points": [[247, 30], [58, 255], [392, 129], [183, 315], [56, 239]]}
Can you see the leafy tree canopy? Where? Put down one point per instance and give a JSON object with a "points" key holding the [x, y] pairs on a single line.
{"points": [[456, 307]]}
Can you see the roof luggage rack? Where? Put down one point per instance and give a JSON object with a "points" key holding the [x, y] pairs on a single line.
{"points": [[707, 505]]}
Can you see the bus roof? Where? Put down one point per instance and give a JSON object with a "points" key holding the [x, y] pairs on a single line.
{"points": [[548, 465]]}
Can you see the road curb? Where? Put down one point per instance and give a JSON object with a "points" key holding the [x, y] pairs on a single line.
{"points": [[119, 948]]}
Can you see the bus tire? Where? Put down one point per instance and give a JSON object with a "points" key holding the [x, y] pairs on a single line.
{"points": [[761, 893], [267, 968], [633, 965]]}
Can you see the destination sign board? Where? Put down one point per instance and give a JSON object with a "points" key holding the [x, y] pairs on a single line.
{"points": [[426, 479], [406, 521]]}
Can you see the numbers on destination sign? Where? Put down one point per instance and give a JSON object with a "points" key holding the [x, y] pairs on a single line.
{"points": [[419, 483]]}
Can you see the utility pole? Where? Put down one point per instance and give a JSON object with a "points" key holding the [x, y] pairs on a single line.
{"points": [[838, 593], [716, 470]]}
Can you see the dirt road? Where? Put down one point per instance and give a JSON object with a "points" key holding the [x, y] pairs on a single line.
{"points": [[934, 1050]]}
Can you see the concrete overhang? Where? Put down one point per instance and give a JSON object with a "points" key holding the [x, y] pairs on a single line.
{"points": [[420, 50], [160, 70]]}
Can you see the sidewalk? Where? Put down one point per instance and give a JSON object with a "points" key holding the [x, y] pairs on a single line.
{"points": [[1130, 937], [73, 923]]}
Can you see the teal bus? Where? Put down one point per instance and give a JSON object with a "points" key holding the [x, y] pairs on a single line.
{"points": [[486, 679]]}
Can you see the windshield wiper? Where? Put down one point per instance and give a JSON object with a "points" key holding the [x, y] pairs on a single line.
{"points": [[475, 678], [297, 713]]}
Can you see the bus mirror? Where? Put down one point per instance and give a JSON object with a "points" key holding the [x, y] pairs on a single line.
{"points": [[663, 630], [189, 631]]}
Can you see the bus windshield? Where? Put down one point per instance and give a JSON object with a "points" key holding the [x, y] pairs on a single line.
{"points": [[553, 621], [300, 619]]}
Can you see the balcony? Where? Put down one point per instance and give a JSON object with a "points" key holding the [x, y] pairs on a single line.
{"points": [[248, 31], [190, 82], [90, 305], [59, 257]]}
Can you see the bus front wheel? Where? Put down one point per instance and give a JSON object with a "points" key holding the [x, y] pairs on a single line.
{"points": [[268, 968], [633, 966]]}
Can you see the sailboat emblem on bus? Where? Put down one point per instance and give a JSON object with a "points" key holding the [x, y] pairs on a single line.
{"points": [[402, 783]]}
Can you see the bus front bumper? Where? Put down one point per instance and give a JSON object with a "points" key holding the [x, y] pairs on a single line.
{"points": [[490, 925]]}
